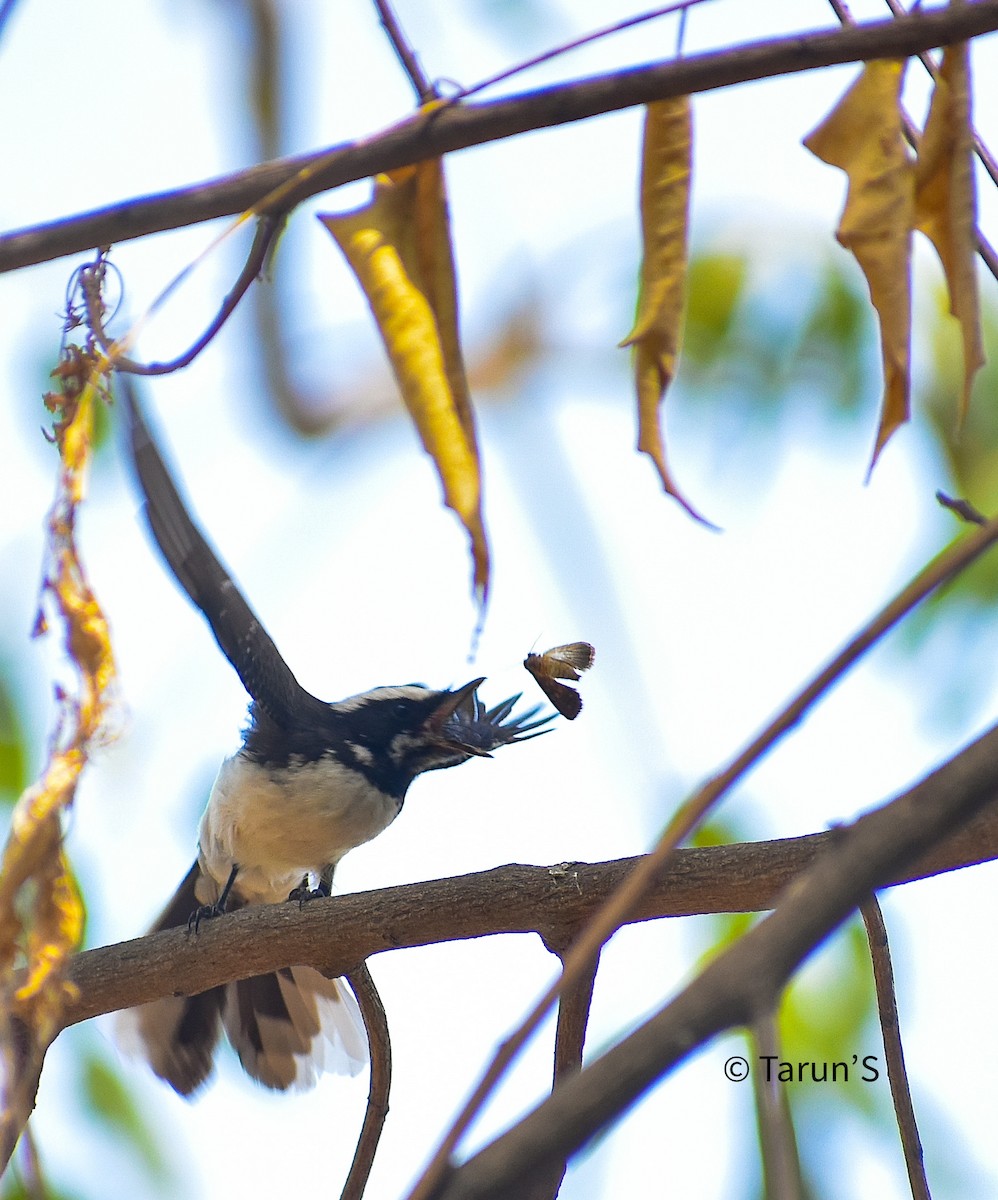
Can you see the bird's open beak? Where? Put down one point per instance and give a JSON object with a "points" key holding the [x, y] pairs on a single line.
{"points": [[447, 727]]}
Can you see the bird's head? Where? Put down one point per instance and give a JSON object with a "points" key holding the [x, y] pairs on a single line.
{"points": [[416, 729]]}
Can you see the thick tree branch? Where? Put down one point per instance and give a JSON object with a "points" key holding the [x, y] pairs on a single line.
{"points": [[739, 984], [456, 127], [335, 935]]}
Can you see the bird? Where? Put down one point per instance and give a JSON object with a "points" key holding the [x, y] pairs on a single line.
{"points": [[311, 781]]}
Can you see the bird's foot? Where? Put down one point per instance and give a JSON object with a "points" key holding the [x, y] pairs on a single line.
{"points": [[203, 912], [304, 893], [206, 912]]}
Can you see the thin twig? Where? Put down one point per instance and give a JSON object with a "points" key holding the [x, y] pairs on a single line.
{"points": [[962, 508], [264, 82], [24, 1058], [380, 1048], [609, 918], [425, 91], [267, 229], [883, 977], [33, 1182], [573, 1018], [286, 183], [679, 6], [777, 1139], [569, 1043], [987, 253]]}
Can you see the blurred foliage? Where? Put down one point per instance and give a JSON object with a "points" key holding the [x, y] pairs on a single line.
{"points": [[265, 85], [101, 1100], [101, 429], [14, 756], [111, 1106], [17, 1187], [768, 341], [954, 632], [827, 1016], [766, 335], [971, 452]]}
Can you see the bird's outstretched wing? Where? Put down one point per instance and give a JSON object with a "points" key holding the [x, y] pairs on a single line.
{"points": [[243, 640]]}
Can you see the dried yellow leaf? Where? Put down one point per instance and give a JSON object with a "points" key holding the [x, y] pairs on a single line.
{"points": [[862, 136], [55, 934], [946, 203], [657, 332], [399, 248], [41, 911]]}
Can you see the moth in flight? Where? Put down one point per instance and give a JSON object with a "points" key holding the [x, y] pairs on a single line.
{"points": [[561, 662]]}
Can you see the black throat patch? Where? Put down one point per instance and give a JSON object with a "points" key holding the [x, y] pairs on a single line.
{"points": [[379, 735]]}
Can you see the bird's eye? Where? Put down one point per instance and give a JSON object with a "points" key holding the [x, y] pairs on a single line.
{"points": [[401, 709]]}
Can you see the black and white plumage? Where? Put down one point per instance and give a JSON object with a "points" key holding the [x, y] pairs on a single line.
{"points": [[311, 781]]}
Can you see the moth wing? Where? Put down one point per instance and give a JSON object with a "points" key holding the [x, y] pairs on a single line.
{"points": [[561, 662], [579, 655], [543, 666], [565, 699]]}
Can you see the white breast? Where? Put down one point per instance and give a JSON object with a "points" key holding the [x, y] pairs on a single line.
{"points": [[278, 832]]}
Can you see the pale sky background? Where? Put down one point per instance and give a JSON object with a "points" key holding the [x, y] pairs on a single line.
{"points": [[362, 578]]}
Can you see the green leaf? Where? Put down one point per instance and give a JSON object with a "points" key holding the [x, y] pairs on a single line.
{"points": [[826, 1017], [716, 283], [971, 452], [830, 353], [112, 1105]]}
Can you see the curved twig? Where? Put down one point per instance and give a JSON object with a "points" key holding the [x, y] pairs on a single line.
{"points": [[569, 1043], [887, 1009], [267, 230], [380, 1047], [595, 35]]}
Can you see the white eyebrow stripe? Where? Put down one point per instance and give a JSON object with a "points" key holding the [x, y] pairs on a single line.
{"points": [[352, 703]]}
